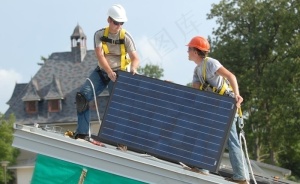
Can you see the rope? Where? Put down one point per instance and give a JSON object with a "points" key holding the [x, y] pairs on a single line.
{"points": [[95, 99], [242, 136], [246, 151]]}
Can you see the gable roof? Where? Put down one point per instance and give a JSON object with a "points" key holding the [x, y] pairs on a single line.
{"points": [[32, 92], [55, 91]]}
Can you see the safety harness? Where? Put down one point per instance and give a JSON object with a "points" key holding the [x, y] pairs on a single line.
{"points": [[207, 86], [124, 60]]}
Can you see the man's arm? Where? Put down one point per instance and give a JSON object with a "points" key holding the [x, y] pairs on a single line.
{"points": [[196, 85], [233, 82], [104, 64], [134, 62]]}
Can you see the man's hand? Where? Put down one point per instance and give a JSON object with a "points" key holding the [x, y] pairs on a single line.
{"points": [[239, 100], [112, 75], [133, 71]]}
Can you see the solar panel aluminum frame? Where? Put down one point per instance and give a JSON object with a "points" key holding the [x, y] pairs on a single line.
{"points": [[167, 120]]}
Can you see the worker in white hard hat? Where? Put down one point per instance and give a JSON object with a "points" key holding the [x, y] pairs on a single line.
{"points": [[115, 50]]}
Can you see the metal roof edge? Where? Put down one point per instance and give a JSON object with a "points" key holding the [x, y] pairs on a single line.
{"points": [[128, 164]]}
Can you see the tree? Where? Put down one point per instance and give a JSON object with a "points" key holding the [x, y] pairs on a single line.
{"points": [[259, 42], [7, 152], [44, 59], [151, 70], [189, 84]]}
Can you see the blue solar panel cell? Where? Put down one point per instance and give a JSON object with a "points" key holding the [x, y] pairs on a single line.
{"points": [[167, 120]]}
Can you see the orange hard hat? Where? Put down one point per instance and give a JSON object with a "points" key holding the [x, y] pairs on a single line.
{"points": [[200, 43]]}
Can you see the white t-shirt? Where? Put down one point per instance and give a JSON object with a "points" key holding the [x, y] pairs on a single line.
{"points": [[212, 65]]}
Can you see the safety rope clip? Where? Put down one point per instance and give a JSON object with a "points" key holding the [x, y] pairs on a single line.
{"points": [[241, 122]]}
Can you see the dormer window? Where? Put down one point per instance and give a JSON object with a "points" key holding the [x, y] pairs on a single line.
{"points": [[31, 97], [31, 107], [54, 96], [54, 105]]}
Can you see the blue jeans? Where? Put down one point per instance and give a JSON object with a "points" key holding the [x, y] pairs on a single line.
{"points": [[235, 154], [88, 92]]}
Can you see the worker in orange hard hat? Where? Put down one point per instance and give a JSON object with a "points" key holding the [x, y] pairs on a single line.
{"points": [[200, 43], [211, 75]]}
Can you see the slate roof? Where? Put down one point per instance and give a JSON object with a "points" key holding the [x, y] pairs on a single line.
{"points": [[55, 91], [60, 77], [32, 92], [78, 33], [17, 91]]}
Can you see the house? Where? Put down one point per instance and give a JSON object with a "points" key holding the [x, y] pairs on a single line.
{"points": [[49, 101], [49, 98]]}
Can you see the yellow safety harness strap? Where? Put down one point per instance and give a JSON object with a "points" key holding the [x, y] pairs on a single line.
{"points": [[214, 89], [104, 45], [124, 61], [224, 87], [204, 73], [240, 112]]}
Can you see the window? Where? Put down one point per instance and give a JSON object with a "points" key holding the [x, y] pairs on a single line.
{"points": [[31, 106], [54, 105]]}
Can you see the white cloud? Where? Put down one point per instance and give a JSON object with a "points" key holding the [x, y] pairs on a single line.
{"points": [[146, 52], [8, 80]]}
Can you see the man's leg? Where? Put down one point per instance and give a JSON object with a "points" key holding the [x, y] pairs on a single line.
{"points": [[86, 95], [235, 155]]}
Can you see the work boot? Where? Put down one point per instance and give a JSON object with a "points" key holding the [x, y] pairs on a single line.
{"points": [[201, 171], [81, 136]]}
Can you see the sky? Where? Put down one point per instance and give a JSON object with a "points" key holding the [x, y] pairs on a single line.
{"points": [[161, 29]]}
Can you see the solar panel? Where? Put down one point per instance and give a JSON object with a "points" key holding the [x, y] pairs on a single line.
{"points": [[167, 120]]}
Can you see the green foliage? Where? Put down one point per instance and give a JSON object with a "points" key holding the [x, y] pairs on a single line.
{"points": [[290, 159], [259, 42], [189, 84], [7, 152], [151, 70], [44, 58]]}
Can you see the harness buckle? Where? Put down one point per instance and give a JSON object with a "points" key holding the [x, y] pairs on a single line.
{"points": [[240, 122]]}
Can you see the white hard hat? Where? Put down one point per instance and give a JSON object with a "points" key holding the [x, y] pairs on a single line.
{"points": [[117, 12]]}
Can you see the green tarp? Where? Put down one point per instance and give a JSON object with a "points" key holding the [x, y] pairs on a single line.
{"points": [[49, 170]]}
